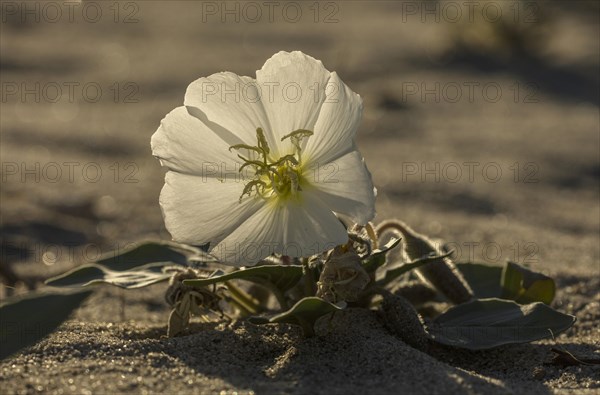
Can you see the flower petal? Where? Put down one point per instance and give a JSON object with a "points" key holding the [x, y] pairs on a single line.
{"points": [[336, 126], [229, 104], [293, 229], [345, 186], [293, 89], [185, 144], [198, 210]]}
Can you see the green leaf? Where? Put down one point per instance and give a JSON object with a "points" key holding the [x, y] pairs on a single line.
{"points": [[540, 291], [511, 282], [377, 257], [138, 266], [283, 277], [92, 274], [304, 313], [28, 319], [483, 279], [150, 252], [394, 273], [488, 323], [526, 286], [276, 278]]}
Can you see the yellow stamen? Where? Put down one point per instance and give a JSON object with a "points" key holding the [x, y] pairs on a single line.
{"points": [[281, 178]]}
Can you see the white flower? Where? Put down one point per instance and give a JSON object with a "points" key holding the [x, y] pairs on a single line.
{"points": [[291, 133]]}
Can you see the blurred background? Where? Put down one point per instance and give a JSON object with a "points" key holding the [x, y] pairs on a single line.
{"points": [[480, 126]]}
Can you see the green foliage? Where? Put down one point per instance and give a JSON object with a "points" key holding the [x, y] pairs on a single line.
{"points": [[526, 286], [513, 282], [138, 277], [394, 273], [28, 319], [305, 313], [482, 323], [282, 277], [139, 266], [152, 252], [378, 256], [277, 278], [488, 323], [483, 279]]}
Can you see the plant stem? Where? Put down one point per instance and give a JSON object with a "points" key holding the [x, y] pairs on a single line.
{"points": [[243, 298], [310, 285], [307, 327], [278, 295], [243, 311]]}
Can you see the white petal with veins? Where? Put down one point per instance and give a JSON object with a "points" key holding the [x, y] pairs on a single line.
{"points": [[291, 202], [345, 186], [230, 104], [185, 144], [292, 229], [293, 87], [336, 126], [199, 210]]}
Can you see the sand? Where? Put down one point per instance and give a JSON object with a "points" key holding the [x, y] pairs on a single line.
{"points": [[352, 354]]}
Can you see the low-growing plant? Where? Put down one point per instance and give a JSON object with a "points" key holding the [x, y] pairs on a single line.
{"points": [[283, 194]]}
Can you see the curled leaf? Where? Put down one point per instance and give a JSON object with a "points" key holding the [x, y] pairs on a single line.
{"points": [[377, 257], [304, 313], [441, 273], [200, 303], [513, 282], [526, 286], [343, 277], [180, 316], [396, 272], [93, 274]]}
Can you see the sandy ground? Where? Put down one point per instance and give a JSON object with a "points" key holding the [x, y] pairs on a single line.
{"points": [[507, 175]]}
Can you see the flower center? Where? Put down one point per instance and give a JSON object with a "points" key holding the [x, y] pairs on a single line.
{"points": [[281, 178]]}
